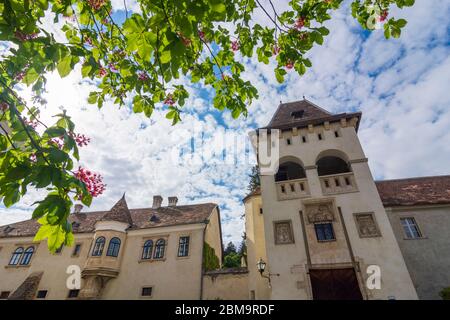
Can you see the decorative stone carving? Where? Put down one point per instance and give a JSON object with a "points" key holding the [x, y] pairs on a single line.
{"points": [[366, 225], [320, 211], [283, 232]]}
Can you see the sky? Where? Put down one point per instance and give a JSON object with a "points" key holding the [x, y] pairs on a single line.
{"points": [[400, 85]]}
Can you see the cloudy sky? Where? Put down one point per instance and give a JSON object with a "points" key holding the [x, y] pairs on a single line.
{"points": [[401, 86]]}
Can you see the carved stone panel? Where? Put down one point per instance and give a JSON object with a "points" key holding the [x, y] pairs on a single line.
{"points": [[283, 232], [366, 225], [320, 211]]}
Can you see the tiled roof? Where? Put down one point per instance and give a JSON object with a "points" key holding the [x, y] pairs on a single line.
{"points": [[415, 191], [119, 212], [255, 192], [140, 218], [312, 114]]}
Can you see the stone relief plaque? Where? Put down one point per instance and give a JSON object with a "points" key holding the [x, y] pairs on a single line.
{"points": [[283, 232], [366, 225], [320, 211]]}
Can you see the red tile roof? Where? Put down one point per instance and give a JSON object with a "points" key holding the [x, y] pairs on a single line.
{"points": [[415, 191], [84, 222]]}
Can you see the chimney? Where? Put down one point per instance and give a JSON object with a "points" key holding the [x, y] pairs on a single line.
{"points": [[173, 201], [157, 200], [77, 208]]}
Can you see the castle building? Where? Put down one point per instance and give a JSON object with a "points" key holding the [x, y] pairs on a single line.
{"points": [[150, 253], [322, 228], [318, 227]]}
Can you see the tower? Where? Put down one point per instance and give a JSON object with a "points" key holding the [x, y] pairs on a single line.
{"points": [[105, 256], [327, 235]]}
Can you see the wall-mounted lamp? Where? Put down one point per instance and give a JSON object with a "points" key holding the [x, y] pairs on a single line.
{"points": [[261, 265]]}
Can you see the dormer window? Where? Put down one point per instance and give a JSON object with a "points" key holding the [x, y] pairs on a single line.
{"points": [[297, 114]]}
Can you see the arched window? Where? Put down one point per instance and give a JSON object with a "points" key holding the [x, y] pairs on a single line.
{"points": [[290, 171], [159, 249], [27, 256], [113, 247], [15, 258], [147, 250], [331, 165], [98, 247]]}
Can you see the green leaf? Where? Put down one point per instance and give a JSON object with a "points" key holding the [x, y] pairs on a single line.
{"points": [[64, 66], [31, 76]]}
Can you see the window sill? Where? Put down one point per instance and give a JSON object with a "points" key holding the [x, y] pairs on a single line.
{"points": [[325, 241], [183, 257], [421, 238], [10, 266], [151, 260]]}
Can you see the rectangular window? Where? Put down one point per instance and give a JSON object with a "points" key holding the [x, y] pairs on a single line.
{"points": [[261, 210], [324, 231], [319, 136], [41, 294], [336, 134], [288, 141], [146, 291], [304, 139], [73, 293], [183, 247], [410, 227], [4, 294], [76, 250]]}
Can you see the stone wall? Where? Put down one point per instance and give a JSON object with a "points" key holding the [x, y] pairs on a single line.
{"points": [[226, 284]]}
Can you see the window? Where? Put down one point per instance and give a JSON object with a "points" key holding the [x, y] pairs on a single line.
{"points": [[98, 247], [324, 231], [290, 171], [319, 136], [15, 258], [298, 114], [146, 291], [41, 294], [411, 228], [331, 165], [26, 258], [4, 294], [76, 250], [304, 139], [73, 293], [147, 250], [336, 134], [183, 247], [113, 247], [261, 210], [288, 141], [58, 251], [159, 249]]}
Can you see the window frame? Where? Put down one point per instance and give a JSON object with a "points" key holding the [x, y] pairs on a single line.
{"points": [[45, 296], [27, 256], [98, 252], [330, 223], [147, 256], [416, 225], [152, 288], [113, 247], [73, 290], [74, 253], [16, 254], [186, 248], [160, 256]]}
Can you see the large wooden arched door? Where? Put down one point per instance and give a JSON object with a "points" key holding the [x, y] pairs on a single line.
{"points": [[335, 284]]}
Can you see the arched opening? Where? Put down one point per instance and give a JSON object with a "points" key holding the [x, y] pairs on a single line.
{"points": [[289, 171], [15, 258], [328, 165], [98, 247], [26, 258], [113, 247], [159, 249], [147, 250]]}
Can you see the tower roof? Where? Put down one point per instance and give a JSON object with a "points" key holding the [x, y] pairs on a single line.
{"points": [[303, 113], [119, 212]]}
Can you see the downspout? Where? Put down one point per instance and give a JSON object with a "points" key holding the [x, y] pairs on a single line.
{"points": [[201, 266]]}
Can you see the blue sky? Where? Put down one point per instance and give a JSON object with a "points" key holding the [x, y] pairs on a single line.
{"points": [[400, 85]]}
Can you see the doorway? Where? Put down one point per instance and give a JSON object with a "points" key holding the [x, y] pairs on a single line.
{"points": [[335, 284]]}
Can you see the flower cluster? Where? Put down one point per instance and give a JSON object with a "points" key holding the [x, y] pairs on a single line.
{"points": [[80, 139], [58, 142], [102, 72], [93, 181], [143, 76], [88, 40], [289, 65], [33, 157], [4, 106], [96, 4], [19, 76], [113, 68], [25, 37], [383, 15], [31, 123], [169, 100], [299, 23], [235, 45]]}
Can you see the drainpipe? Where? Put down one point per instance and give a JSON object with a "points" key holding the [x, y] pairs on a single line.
{"points": [[201, 265]]}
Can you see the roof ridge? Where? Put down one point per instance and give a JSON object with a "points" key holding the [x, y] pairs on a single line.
{"points": [[414, 178]]}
